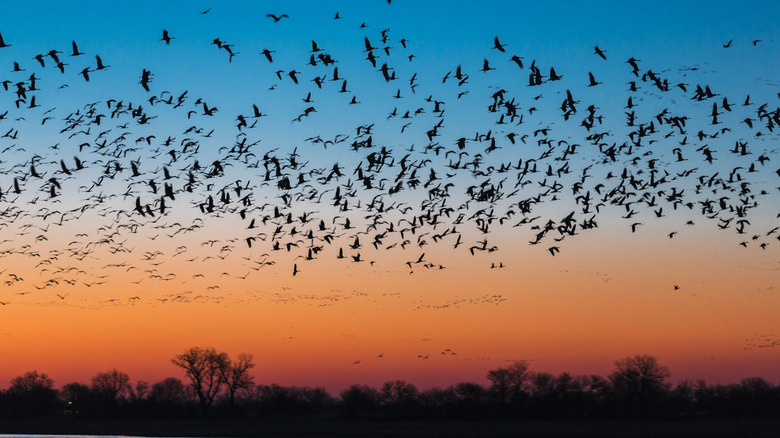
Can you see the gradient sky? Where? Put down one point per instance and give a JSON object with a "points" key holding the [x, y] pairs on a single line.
{"points": [[88, 286]]}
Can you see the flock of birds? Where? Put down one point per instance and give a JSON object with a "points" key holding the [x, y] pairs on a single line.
{"points": [[121, 196]]}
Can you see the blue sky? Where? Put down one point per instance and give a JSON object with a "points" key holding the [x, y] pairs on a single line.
{"points": [[682, 42]]}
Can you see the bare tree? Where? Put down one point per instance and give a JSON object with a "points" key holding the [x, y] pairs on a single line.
{"points": [[640, 378], [235, 375], [170, 391], [203, 366], [31, 381], [140, 391], [77, 397], [111, 385], [358, 400], [32, 393], [508, 382]]}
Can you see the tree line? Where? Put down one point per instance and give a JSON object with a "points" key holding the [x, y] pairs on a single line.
{"points": [[216, 386]]}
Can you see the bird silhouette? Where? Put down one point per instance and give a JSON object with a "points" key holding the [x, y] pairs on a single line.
{"points": [[100, 65], [276, 18], [165, 37], [75, 48], [267, 54], [498, 46], [600, 52], [592, 80]]}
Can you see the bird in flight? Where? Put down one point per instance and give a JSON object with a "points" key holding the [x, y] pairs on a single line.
{"points": [[75, 49], [498, 46], [100, 65], [165, 37], [592, 80], [145, 79], [600, 53], [277, 18], [267, 54]]}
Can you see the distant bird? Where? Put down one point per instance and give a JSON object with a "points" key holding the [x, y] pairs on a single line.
{"points": [[592, 80], [727, 45], [145, 79], [2, 42], [267, 54], [600, 53], [277, 18], [100, 65], [633, 63], [498, 46], [75, 49], [85, 73], [165, 37]]}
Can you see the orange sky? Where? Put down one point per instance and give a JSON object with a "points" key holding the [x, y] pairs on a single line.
{"points": [[609, 294]]}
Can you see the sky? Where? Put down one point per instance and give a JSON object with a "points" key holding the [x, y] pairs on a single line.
{"points": [[471, 220]]}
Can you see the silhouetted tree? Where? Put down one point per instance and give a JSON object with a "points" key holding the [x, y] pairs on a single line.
{"points": [[638, 387], [235, 375], [563, 396], [542, 384], [30, 382], [507, 383], [682, 400], [168, 397], [277, 399], [543, 394], [139, 391], [169, 390], [111, 386], [639, 382], [437, 402], [471, 397], [78, 398], [399, 398], [587, 394], [203, 366], [757, 397], [359, 400], [32, 393]]}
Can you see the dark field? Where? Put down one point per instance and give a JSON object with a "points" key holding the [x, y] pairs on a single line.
{"points": [[297, 427]]}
